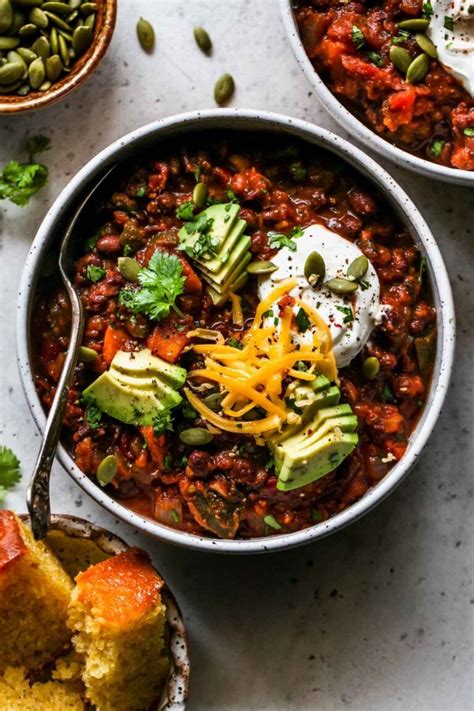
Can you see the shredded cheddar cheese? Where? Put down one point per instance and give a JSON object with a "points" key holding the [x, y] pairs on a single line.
{"points": [[252, 376]]}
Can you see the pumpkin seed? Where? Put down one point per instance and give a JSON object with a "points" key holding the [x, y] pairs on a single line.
{"points": [[195, 436], [418, 69], [6, 15], [401, 58], [107, 470], [261, 267], [314, 268], [87, 355], [42, 47], [10, 88], [53, 41], [370, 368], [27, 54], [75, 4], [90, 21], [53, 67], [224, 88], [67, 35], [414, 25], [9, 43], [45, 86], [38, 18], [213, 401], [73, 16], [341, 286], [16, 58], [200, 194], [358, 268], [59, 8], [63, 51], [426, 45], [36, 73], [58, 21], [24, 90], [10, 72], [145, 34], [28, 30], [88, 7], [29, 3], [81, 39], [203, 40], [19, 20], [129, 268]]}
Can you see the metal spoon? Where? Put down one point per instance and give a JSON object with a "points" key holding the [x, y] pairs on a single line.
{"points": [[37, 496]]}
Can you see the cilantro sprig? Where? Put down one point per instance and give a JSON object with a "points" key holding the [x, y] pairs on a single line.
{"points": [[161, 282], [20, 181], [9, 470], [94, 273], [278, 240], [163, 422]]}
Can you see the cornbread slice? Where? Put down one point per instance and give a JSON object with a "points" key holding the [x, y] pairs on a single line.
{"points": [[117, 618], [34, 598], [16, 694]]}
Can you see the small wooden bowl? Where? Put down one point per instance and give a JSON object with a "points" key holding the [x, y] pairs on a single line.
{"points": [[80, 71]]}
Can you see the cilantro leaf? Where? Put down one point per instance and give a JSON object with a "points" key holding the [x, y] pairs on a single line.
{"points": [[302, 320], [348, 313], [402, 36], [94, 273], [298, 171], [427, 10], [185, 211], [277, 240], [163, 422], [357, 36], [437, 147], [448, 23], [375, 58], [19, 181], [37, 144], [93, 414], [161, 282], [9, 470]]}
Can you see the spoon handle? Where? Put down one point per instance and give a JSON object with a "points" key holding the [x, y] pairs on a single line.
{"points": [[37, 496]]}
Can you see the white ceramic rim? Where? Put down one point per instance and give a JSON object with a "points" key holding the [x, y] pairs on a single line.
{"points": [[248, 119], [352, 124]]}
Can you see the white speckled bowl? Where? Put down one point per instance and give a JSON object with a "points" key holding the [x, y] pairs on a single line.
{"points": [[248, 120], [356, 128], [175, 691]]}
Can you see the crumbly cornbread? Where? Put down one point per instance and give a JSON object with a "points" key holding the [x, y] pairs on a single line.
{"points": [[34, 595], [117, 619], [16, 694]]}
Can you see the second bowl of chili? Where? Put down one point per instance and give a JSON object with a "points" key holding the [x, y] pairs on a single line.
{"points": [[219, 478]]}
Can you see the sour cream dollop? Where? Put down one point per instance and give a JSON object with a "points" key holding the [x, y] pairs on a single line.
{"points": [[351, 318], [455, 47]]}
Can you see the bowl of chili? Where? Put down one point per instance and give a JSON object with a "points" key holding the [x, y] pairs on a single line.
{"points": [[192, 478], [347, 53]]}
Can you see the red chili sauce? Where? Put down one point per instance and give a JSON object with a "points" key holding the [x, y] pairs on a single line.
{"points": [[228, 487]]}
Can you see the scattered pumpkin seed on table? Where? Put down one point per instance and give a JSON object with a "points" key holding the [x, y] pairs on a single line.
{"points": [[203, 40], [224, 89], [146, 35], [41, 40]]}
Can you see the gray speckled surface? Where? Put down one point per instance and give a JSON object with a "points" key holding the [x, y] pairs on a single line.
{"points": [[376, 618]]}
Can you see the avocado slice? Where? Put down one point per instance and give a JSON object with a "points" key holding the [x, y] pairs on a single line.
{"points": [[304, 445], [232, 265], [220, 297], [143, 364], [326, 397], [301, 469], [223, 215], [166, 393], [130, 405], [223, 255], [309, 429]]}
